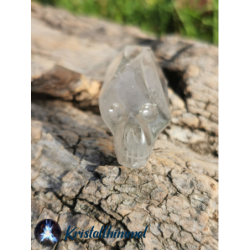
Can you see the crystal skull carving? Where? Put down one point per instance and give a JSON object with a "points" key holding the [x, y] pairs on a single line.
{"points": [[134, 104]]}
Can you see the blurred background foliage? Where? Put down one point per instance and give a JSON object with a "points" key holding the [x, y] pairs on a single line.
{"points": [[191, 18]]}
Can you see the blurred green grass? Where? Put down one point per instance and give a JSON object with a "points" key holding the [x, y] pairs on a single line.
{"points": [[196, 19]]}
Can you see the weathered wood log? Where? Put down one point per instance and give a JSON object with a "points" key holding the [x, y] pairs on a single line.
{"points": [[63, 47], [76, 179]]}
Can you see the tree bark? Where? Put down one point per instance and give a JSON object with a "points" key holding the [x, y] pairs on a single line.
{"points": [[76, 179]]}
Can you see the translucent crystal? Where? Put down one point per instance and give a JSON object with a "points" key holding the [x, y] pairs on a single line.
{"points": [[134, 104]]}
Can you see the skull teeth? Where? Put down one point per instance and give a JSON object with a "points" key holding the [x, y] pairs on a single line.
{"points": [[135, 156]]}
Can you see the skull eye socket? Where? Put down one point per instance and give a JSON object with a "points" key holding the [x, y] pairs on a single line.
{"points": [[148, 112], [116, 112]]}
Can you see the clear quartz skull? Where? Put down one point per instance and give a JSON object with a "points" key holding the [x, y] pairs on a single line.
{"points": [[134, 104]]}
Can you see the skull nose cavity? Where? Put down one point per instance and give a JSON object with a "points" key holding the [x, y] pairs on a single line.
{"points": [[132, 138], [133, 135]]}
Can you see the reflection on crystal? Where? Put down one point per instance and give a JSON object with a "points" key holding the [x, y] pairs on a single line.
{"points": [[148, 112], [134, 104]]}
